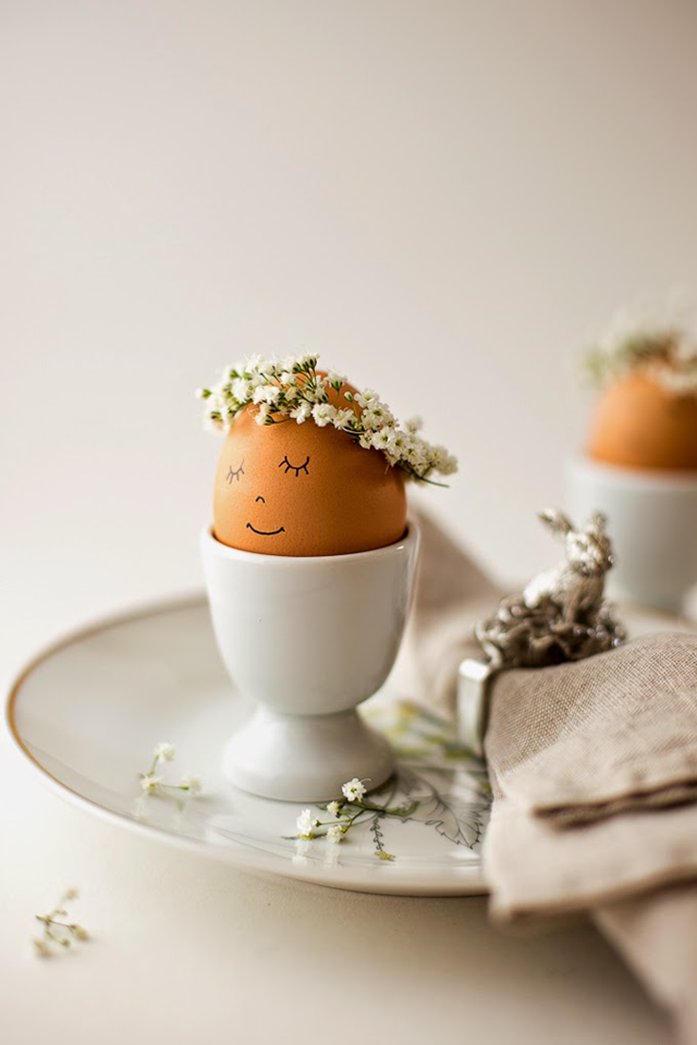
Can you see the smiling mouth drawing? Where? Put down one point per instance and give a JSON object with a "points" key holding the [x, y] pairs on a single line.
{"points": [[266, 533]]}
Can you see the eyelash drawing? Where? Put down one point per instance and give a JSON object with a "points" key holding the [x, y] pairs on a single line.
{"points": [[301, 468], [232, 474]]}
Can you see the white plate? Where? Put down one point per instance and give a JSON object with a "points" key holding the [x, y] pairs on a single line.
{"points": [[89, 711]]}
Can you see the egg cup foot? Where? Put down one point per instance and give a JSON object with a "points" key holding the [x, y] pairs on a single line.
{"points": [[305, 758]]}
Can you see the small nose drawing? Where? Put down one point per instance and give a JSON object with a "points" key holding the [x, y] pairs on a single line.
{"points": [[260, 499]]}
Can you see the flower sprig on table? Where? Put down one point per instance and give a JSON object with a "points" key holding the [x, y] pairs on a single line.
{"points": [[344, 813], [58, 934], [656, 337], [294, 390], [152, 782]]}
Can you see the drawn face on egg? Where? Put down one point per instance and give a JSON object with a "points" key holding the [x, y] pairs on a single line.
{"points": [[302, 490]]}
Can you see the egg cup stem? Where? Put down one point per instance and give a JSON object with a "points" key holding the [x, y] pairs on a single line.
{"points": [[306, 640]]}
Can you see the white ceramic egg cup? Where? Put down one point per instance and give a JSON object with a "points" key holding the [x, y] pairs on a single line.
{"points": [[307, 639], [652, 521]]}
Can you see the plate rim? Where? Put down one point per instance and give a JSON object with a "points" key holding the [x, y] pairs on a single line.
{"points": [[259, 863]]}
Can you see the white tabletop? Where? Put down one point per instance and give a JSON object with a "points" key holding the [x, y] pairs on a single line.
{"points": [[184, 945]]}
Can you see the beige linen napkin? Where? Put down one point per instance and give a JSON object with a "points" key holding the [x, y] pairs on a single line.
{"points": [[593, 767]]}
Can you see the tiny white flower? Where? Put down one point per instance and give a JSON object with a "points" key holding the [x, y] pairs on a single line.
{"points": [[442, 461], [302, 412], [353, 790], [271, 393], [255, 381], [165, 752], [262, 413], [150, 783], [335, 834], [304, 362], [323, 414], [306, 824], [192, 783], [342, 418], [381, 439], [241, 390], [371, 420], [333, 808], [367, 397]]}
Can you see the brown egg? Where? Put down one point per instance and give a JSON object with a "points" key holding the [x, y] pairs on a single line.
{"points": [[290, 489], [640, 424]]}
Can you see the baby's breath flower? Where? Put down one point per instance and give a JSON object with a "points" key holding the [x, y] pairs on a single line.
{"points": [[323, 414], [342, 418], [306, 823], [191, 783], [165, 752], [346, 812], [353, 790], [367, 397], [382, 438], [150, 784], [153, 784], [301, 413], [58, 934], [241, 390]]}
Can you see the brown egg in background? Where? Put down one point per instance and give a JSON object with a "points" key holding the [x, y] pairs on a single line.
{"points": [[301, 490], [640, 424]]}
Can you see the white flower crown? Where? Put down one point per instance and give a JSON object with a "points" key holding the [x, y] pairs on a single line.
{"points": [[293, 390], [656, 338]]}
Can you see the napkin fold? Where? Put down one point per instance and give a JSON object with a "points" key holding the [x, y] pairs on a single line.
{"points": [[593, 766], [585, 740]]}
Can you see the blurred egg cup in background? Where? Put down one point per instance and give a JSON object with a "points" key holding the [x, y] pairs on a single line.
{"points": [[640, 465]]}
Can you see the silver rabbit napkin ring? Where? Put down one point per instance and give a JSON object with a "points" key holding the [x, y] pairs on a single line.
{"points": [[561, 615]]}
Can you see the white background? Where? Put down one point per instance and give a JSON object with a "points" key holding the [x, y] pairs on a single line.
{"points": [[441, 198]]}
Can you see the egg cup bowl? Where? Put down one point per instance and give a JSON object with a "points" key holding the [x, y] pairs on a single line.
{"points": [[307, 639], [652, 521]]}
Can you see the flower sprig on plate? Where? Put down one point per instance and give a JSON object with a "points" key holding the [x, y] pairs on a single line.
{"points": [[656, 337], [59, 934], [344, 813], [294, 390], [152, 782]]}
